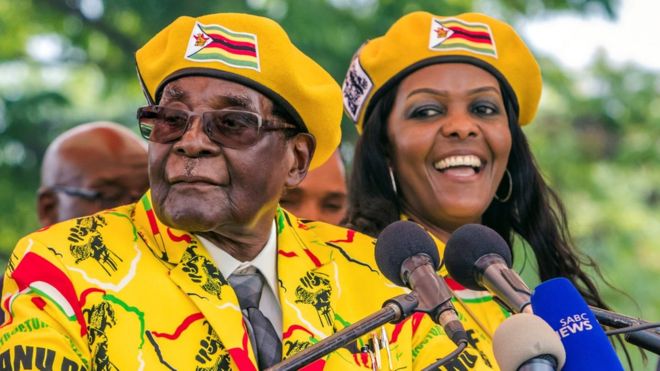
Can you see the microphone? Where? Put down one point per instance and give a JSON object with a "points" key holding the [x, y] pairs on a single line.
{"points": [[408, 256], [559, 303], [477, 257], [525, 342], [394, 310]]}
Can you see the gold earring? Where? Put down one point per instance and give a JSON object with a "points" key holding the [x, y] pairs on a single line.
{"points": [[508, 195], [392, 179]]}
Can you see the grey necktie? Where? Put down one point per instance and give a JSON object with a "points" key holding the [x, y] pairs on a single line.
{"points": [[248, 284]]}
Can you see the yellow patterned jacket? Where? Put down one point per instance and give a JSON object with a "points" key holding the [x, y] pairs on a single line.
{"points": [[119, 290], [480, 316]]}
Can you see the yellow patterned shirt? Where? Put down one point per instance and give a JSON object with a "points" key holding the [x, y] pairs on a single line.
{"points": [[480, 316], [119, 290]]}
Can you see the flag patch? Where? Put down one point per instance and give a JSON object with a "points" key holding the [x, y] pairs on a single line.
{"points": [[356, 88], [216, 43], [455, 34]]}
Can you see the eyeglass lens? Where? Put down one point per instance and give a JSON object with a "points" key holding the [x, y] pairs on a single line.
{"points": [[230, 128]]}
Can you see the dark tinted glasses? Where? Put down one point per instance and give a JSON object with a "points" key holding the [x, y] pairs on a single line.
{"points": [[227, 127]]}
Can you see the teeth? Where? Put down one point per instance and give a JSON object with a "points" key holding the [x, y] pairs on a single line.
{"points": [[455, 161]]}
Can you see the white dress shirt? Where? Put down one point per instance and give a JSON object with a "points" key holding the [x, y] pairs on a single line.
{"points": [[266, 263]]}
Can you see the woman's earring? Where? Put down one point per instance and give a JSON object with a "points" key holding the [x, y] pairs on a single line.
{"points": [[392, 179], [508, 195]]}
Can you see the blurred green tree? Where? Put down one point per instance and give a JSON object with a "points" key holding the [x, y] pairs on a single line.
{"points": [[64, 62], [597, 138]]}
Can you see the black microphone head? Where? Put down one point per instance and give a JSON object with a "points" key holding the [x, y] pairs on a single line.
{"points": [[466, 245], [399, 241]]}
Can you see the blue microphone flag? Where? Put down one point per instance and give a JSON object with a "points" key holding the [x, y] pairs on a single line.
{"points": [[560, 304]]}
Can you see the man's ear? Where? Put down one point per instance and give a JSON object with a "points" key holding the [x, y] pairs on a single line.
{"points": [[302, 147], [47, 203]]}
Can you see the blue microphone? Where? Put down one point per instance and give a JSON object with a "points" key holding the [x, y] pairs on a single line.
{"points": [[560, 304]]}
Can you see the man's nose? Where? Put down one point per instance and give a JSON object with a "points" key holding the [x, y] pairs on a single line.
{"points": [[195, 142]]}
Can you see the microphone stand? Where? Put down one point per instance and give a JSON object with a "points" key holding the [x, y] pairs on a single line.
{"points": [[646, 339], [393, 310], [520, 294], [617, 320], [462, 344]]}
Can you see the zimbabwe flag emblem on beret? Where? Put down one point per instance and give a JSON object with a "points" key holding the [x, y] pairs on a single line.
{"points": [[455, 34], [216, 43]]}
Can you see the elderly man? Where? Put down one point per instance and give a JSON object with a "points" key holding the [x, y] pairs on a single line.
{"points": [[89, 168], [321, 195], [205, 271]]}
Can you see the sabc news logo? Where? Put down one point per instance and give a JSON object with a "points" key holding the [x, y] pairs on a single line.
{"points": [[574, 324]]}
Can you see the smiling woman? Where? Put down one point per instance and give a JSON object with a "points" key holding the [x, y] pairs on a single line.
{"points": [[440, 102], [450, 143]]}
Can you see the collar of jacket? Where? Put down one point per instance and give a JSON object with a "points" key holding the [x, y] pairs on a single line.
{"points": [[301, 255]]}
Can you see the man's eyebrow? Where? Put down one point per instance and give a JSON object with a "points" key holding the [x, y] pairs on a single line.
{"points": [[174, 93], [240, 101], [341, 195], [292, 191]]}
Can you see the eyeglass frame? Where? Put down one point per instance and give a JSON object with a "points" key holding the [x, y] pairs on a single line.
{"points": [[87, 194], [262, 124]]}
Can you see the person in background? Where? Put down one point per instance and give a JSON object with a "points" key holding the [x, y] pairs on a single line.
{"points": [[89, 168], [206, 271], [321, 195], [440, 102]]}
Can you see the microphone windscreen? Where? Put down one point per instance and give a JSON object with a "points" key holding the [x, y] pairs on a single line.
{"points": [[522, 337], [399, 241], [466, 245], [560, 304]]}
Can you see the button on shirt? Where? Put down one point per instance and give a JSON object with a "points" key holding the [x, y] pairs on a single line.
{"points": [[266, 263]]}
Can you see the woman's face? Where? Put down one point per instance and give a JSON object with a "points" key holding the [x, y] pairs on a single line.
{"points": [[450, 142]]}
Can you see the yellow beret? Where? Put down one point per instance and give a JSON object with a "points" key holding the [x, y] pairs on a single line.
{"points": [[253, 51], [420, 39]]}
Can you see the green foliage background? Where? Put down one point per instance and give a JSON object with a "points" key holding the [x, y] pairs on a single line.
{"points": [[597, 137]]}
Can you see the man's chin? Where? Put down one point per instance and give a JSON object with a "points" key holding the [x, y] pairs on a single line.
{"points": [[189, 222], [189, 216]]}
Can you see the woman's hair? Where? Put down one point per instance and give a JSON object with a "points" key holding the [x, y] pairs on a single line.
{"points": [[534, 212]]}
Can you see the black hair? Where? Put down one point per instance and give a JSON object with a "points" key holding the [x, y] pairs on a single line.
{"points": [[534, 211]]}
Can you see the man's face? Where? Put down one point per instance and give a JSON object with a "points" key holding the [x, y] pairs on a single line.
{"points": [[199, 185], [322, 194], [108, 167]]}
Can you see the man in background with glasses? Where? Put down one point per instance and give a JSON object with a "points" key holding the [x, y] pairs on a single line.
{"points": [[206, 271], [89, 168]]}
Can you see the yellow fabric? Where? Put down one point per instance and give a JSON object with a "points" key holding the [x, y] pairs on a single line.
{"points": [[254, 51], [478, 312], [421, 38], [120, 290]]}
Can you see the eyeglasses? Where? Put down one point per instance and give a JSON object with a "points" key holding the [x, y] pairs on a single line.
{"points": [[106, 201], [229, 128]]}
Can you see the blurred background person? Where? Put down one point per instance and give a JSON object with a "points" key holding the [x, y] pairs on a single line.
{"points": [[322, 194], [89, 168], [440, 102]]}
